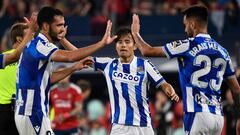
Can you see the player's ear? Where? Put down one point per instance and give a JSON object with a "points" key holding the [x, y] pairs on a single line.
{"points": [[19, 39], [45, 26]]}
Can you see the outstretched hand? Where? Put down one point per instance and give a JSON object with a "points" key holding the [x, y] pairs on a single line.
{"points": [[170, 92], [32, 23], [63, 34], [107, 39], [84, 63], [135, 27]]}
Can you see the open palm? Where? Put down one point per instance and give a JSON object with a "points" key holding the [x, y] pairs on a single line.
{"points": [[135, 27], [107, 39]]}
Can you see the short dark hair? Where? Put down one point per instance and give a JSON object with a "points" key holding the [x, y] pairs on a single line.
{"points": [[46, 14], [121, 32], [17, 30], [198, 12]]}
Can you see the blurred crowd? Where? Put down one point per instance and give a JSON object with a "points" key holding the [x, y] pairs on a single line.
{"points": [[119, 11]]}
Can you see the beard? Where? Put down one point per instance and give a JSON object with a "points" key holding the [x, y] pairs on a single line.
{"points": [[53, 35]]}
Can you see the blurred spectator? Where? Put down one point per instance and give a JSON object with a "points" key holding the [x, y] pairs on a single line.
{"points": [[97, 129], [66, 101], [119, 11], [233, 12], [229, 114], [5, 43], [177, 123], [144, 7], [96, 111], [163, 115], [217, 16]]}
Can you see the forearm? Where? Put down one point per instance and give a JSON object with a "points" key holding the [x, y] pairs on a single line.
{"points": [[142, 45], [59, 75], [14, 56], [146, 49], [76, 110], [67, 45], [72, 56]]}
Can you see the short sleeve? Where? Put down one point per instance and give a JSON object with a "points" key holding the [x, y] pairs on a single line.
{"points": [[176, 48], [2, 61], [101, 63], [153, 74], [77, 93], [229, 72], [45, 49]]}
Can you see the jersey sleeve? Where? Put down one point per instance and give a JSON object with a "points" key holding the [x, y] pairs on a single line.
{"points": [[2, 61], [45, 49], [101, 63], [77, 93], [176, 48], [153, 74], [229, 72]]}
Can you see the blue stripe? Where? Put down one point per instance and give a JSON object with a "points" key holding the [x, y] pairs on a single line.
{"points": [[115, 92], [125, 94], [37, 101], [36, 120], [1, 61], [211, 108], [197, 107], [138, 91], [99, 65], [24, 97], [168, 52], [188, 121]]}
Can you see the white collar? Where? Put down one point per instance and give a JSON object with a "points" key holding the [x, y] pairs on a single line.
{"points": [[133, 60], [43, 37], [203, 35]]}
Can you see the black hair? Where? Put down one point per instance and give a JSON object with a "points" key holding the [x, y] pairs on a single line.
{"points": [[122, 31], [46, 14], [198, 12]]}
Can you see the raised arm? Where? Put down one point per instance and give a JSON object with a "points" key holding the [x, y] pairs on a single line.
{"points": [[144, 47], [75, 55], [61, 74], [14, 56], [235, 89]]}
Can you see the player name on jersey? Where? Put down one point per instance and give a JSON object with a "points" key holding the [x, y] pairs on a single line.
{"points": [[203, 46]]}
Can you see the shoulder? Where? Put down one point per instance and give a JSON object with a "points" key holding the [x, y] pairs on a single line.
{"points": [[75, 88]]}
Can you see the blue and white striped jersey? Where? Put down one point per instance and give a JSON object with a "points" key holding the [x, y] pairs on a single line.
{"points": [[33, 77], [128, 88], [203, 64], [1, 61]]}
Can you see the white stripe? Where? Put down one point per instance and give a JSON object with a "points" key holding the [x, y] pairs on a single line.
{"points": [[110, 90], [144, 98], [218, 105], [204, 106], [190, 100], [122, 101], [43, 87], [75, 87], [29, 102], [19, 101]]}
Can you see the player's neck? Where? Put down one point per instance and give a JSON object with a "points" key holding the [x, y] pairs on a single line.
{"points": [[47, 36], [126, 59], [200, 31]]}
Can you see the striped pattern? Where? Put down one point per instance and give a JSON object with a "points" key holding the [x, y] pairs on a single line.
{"points": [[127, 87], [33, 77], [214, 64]]}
